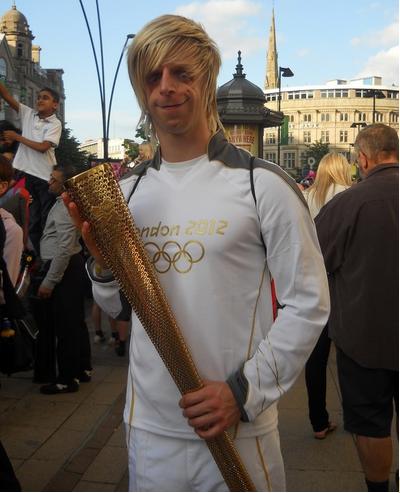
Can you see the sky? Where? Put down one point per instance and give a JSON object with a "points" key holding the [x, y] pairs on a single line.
{"points": [[319, 40]]}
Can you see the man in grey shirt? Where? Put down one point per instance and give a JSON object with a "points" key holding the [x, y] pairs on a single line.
{"points": [[64, 284]]}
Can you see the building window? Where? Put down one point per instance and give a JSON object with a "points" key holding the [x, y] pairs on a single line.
{"points": [[20, 50], [303, 158], [300, 95], [291, 118], [334, 93], [307, 137], [343, 136], [307, 118], [393, 117], [344, 117], [290, 138], [289, 160], [270, 156], [378, 117], [271, 139], [324, 117], [272, 97], [325, 136], [392, 95], [362, 117]]}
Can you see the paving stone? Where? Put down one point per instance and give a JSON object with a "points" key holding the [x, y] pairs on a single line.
{"points": [[21, 442], [117, 375], [63, 481], [35, 474], [16, 463], [87, 416], [34, 411], [7, 403], [309, 480], [62, 444], [123, 485], [82, 460], [301, 451], [117, 439], [12, 387], [93, 486], [108, 392], [108, 467]]}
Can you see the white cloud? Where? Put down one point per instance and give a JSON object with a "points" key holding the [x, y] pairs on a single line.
{"points": [[302, 52], [388, 36], [384, 64], [228, 22]]}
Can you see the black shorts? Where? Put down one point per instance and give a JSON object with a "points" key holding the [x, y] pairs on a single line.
{"points": [[367, 397]]}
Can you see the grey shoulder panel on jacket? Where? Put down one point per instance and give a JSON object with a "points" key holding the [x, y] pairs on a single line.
{"points": [[234, 157]]}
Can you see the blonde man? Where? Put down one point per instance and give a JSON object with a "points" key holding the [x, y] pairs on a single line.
{"points": [[201, 227]]}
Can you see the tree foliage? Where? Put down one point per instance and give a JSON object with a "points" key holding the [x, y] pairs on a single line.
{"points": [[131, 148], [141, 133], [316, 150], [68, 151]]}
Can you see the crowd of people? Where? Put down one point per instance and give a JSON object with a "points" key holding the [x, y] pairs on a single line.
{"points": [[246, 238]]}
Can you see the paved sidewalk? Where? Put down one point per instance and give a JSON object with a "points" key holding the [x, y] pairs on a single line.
{"points": [[75, 442]]}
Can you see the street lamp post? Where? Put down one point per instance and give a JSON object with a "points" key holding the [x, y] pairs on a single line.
{"points": [[374, 94], [105, 114], [283, 72]]}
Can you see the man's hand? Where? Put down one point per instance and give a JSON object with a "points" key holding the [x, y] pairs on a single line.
{"points": [[84, 228], [44, 293], [210, 410]]}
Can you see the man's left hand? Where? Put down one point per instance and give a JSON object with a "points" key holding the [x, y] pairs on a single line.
{"points": [[44, 292], [210, 410]]}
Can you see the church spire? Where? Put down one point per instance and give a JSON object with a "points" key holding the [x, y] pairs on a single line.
{"points": [[271, 79]]}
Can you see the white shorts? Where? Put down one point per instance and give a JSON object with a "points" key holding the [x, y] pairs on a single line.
{"points": [[159, 463]]}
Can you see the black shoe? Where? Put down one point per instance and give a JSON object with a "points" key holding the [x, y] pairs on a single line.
{"points": [[60, 388], [85, 376], [120, 349]]}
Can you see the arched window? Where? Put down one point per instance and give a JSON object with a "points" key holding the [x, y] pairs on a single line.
{"points": [[20, 50]]}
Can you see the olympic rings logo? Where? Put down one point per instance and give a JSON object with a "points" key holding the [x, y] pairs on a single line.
{"points": [[172, 254]]}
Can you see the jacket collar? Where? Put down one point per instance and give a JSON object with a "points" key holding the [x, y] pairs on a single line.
{"points": [[382, 167]]}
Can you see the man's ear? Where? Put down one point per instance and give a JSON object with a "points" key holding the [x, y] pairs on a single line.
{"points": [[363, 160]]}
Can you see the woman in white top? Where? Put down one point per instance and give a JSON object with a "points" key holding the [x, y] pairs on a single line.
{"points": [[333, 177]]}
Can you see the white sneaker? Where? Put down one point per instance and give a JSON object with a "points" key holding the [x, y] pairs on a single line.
{"points": [[112, 340], [99, 337]]}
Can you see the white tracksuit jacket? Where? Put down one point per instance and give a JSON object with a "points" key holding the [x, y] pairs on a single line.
{"points": [[201, 227]]}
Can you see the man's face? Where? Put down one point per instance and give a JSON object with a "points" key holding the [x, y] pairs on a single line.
{"points": [[174, 99], [56, 183], [45, 104]]}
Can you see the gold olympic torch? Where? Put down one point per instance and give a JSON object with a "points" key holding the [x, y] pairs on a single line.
{"points": [[101, 202]]}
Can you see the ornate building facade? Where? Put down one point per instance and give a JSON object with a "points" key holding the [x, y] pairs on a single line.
{"points": [[20, 67], [332, 113]]}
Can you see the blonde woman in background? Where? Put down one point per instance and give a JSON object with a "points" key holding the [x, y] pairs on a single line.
{"points": [[333, 176], [145, 152]]}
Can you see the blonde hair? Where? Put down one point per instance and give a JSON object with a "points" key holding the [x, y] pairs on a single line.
{"points": [[332, 169], [174, 39], [147, 149]]}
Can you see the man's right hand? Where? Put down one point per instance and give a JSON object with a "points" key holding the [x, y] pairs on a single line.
{"points": [[84, 228]]}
